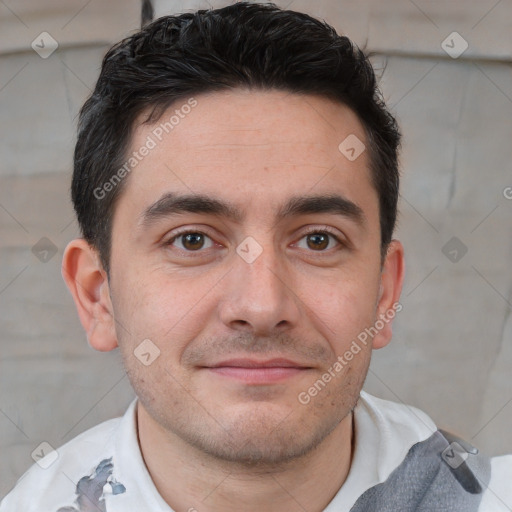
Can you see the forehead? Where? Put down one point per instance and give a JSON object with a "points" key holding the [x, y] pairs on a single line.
{"points": [[251, 148]]}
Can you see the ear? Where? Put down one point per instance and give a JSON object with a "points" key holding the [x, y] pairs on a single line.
{"points": [[391, 281], [88, 283]]}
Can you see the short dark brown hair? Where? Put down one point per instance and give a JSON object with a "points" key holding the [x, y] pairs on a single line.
{"points": [[253, 45]]}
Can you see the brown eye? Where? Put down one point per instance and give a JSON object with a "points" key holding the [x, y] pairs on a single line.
{"points": [[319, 241], [191, 241]]}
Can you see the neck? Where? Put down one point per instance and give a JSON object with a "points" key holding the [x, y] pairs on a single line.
{"points": [[190, 480]]}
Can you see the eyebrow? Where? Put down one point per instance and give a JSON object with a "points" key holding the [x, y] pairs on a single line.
{"points": [[175, 204]]}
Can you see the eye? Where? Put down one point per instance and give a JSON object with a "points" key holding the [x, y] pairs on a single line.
{"points": [[320, 240], [191, 241]]}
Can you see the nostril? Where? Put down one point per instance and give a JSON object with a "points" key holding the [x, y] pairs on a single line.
{"points": [[241, 322]]}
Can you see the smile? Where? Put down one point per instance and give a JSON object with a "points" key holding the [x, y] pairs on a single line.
{"points": [[251, 371]]}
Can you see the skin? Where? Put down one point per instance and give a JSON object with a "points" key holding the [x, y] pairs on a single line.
{"points": [[209, 440]]}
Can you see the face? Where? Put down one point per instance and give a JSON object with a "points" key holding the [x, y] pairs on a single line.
{"points": [[253, 284]]}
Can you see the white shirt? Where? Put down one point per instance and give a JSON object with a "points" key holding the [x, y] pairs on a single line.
{"points": [[384, 433]]}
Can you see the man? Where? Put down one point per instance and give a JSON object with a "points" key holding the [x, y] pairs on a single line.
{"points": [[236, 183]]}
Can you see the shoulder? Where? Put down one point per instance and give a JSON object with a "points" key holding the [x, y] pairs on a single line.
{"points": [[408, 435], [498, 495], [395, 420], [52, 481]]}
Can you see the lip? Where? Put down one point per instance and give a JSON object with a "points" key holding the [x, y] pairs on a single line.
{"points": [[253, 363], [251, 371]]}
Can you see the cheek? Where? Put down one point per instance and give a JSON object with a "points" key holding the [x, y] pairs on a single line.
{"points": [[343, 308], [159, 307]]}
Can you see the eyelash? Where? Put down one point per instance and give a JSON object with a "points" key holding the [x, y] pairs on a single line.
{"points": [[324, 231]]}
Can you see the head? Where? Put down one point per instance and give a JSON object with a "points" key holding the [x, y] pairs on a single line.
{"points": [[223, 220]]}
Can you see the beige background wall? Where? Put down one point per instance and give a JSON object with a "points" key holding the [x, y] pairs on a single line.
{"points": [[452, 350]]}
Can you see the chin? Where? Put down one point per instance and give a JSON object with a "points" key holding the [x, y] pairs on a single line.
{"points": [[262, 439]]}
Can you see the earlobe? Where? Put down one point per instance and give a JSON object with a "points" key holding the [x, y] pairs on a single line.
{"points": [[87, 281], [392, 277]]}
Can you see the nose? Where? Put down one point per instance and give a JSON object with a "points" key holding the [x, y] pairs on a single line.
{"points": [[259, 297]]}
